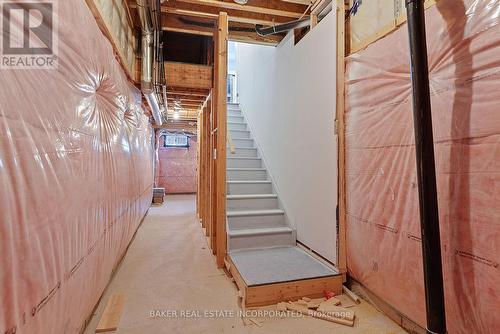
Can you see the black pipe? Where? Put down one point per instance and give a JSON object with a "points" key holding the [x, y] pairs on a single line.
{"points": [[285, 27], [426, 169]]}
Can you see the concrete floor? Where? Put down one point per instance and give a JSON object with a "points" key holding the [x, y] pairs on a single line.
{"points": [[169, 268]]}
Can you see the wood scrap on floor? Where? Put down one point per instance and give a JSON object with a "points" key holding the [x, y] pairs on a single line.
{"points": [[281, 306], [111, 315], [351, 294], [322, 308], [306, 311], [255, 322]]}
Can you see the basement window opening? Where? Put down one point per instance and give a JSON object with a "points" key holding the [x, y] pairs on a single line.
{"points": [[176, 140]]}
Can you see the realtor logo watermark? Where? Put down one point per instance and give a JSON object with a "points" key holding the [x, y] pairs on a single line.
{"points": [[29, 34]]}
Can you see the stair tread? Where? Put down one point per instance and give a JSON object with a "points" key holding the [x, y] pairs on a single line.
{"points": [[231, 122], [252, 196], [263, 212], [259, 231]]}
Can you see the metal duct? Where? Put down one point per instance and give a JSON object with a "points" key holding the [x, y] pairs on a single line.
{"points": [[147, 86], [147, 42]]}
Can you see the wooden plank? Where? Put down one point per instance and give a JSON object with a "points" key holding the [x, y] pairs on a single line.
{"points": [[246, 8], [207, 154], [220, 84], [111, 315], [319, 315], [290, 291], [199, 163], [213, 171], [188, 75], [340, 96], [351, 295], [237, 278]]}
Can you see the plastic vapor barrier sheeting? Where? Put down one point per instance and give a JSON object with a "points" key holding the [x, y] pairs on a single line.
{"points": [[383, 230], [177, 168], [76, 177]]}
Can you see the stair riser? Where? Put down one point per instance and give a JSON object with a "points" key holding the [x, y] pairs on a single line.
{"points": [[248, 222], [242, 143], [240, 134], [252, 204], [244, 163], [247, 189], [261, 241], [237, 126], [234, 113], [235, 119], [243, 152], [246, 175]]}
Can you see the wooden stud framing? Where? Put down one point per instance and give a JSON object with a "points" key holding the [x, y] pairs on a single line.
{"points": [[341, 246], [213, 173], [220, 83]]}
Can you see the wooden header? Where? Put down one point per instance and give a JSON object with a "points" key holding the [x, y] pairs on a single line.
{"points": [[185, 75]]}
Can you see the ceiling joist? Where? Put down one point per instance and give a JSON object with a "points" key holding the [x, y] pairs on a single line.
{"points": [[276, 8]]}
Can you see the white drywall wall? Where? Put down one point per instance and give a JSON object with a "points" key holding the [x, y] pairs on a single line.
{"points": [[287, 94]]}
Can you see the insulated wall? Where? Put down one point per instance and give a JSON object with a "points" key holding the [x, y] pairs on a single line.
{"points": [[287, 94], [76, 178], [383, 233], [177, 168]]}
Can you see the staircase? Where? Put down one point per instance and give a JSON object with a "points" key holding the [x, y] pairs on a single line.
{"points": [[263, 255], [254, 216]]}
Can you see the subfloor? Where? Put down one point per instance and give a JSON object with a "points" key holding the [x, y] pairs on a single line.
{"points": [[172, 285]]}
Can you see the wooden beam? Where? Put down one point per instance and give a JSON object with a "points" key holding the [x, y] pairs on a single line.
{"points": [[186, 91], [188, 75], [174, 97], [211, 12], [248, 8], [340, 126], [319, 5], [241, 32], [220, 84]]}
